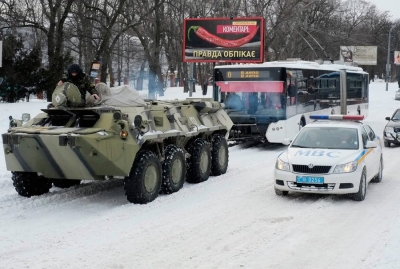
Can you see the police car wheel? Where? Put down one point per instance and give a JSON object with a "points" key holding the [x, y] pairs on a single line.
{"points": [[362, 190], [386, 144], [281, 193]]}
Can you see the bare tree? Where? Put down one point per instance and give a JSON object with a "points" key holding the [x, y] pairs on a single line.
{"points": [[144, 31], [151, 33], [48, 16]]}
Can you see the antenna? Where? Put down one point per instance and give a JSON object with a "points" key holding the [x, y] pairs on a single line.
{"points": [[326, 55]]}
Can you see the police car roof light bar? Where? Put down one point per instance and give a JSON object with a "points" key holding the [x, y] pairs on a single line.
{"points": [[337, 117]]}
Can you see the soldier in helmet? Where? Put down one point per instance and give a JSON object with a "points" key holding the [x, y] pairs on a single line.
{"points": [[76, 76]]}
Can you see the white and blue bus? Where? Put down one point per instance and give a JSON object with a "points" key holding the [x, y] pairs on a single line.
{"points": [[273, 100]]}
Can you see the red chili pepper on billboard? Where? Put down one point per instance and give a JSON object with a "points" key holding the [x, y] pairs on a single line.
{"points": [[207, 36]]}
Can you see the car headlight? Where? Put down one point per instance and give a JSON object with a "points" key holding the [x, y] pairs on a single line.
{"points": [[281, 165], [346, 168], [389, 129]]}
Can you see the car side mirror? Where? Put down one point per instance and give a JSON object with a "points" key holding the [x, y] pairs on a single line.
{"points": [[387, 118], [286, 141], [371, 144]]}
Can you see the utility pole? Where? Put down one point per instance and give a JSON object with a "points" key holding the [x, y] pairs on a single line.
{"points": [[191, 79], [387, 62]]}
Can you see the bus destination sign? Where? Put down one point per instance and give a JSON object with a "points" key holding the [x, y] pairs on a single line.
{"points": [[247, 74]]}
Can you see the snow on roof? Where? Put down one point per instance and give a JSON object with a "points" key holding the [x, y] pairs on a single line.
{"points": [[298, 65], [334, 123]]}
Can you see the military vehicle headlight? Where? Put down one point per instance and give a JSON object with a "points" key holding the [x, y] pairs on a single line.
{"points": [[26, 117], [122, 125], [123, 134]]}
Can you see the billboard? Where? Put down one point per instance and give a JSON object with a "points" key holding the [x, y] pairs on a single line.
{"points": [[397, 57], [95, 69], [363, 55], [223, 40]]}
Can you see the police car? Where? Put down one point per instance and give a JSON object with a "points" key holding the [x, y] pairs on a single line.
{"points": [[335, 154]]}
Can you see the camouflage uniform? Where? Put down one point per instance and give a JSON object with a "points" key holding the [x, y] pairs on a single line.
{"points": [[83, 82]]}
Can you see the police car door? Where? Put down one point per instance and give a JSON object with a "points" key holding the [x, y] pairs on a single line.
{"points": [[373, 154]]}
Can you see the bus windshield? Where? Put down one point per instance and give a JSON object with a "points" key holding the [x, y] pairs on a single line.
{"points": [[253, 97], [252, 91]]}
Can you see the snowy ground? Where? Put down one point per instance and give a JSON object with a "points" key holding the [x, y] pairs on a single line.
{"points": [[231, 221]]}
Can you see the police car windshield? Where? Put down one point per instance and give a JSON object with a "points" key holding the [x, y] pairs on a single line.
{"points": [[327, 138]]}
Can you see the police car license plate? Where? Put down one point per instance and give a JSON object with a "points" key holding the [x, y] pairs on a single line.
{"points": [[309, 180]]}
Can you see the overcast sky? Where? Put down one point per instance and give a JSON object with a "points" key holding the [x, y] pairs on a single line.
{"points": [[393, 6]]}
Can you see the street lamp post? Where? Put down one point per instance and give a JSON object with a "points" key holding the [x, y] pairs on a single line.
{"points": [[387, 62]]}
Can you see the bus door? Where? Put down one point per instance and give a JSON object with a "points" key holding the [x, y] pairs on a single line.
{"points": [[302, 95], [291, 91]]}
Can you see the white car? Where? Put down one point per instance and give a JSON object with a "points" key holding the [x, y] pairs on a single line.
{"points": [[335, 154]]}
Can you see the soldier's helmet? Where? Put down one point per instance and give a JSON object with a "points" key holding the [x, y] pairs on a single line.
{"points": [[75, 68], [67, 95]]}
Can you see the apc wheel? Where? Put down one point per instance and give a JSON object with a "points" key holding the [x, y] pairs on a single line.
{"points": [[378, 177], [199, 162], [30, 184], [173, 170], [144, 181], [281, 193], [386, 144], [65, 183], [219, 155], [362, 191]]}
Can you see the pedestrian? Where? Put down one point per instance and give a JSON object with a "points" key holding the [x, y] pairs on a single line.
{"points": [[27, 93], [82, 81], [205, 86], [398, 80]]}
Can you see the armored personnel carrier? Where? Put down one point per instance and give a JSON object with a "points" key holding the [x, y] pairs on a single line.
{"points": [[154, 145]]}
